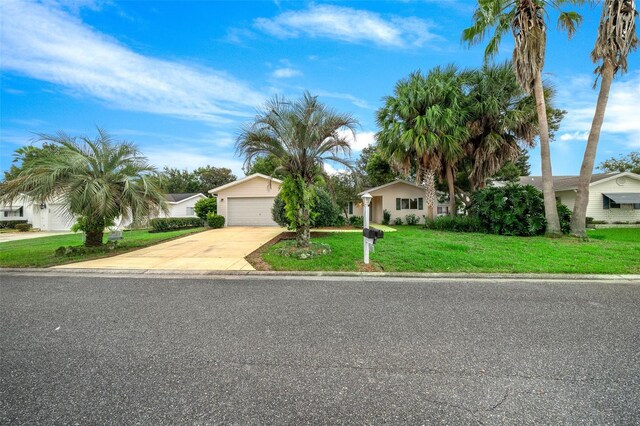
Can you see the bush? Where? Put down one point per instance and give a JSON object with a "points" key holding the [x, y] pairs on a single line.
{"points": [[174, 223], [324, 212], [341, 221], [454, 224], [215, 220], [23, 227], [565, 218], [205, 206], [513, 210], [357, 221], [412, 219], [82, 250], [10, 224], [386, 217], [81, 224], [397, 221]]}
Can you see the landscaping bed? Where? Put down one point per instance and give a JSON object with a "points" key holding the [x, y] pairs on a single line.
{"points": [[414, 249], [41, 252]]}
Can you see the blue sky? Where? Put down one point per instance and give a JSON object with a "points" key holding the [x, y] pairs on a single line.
{"points": [[180, 78]]}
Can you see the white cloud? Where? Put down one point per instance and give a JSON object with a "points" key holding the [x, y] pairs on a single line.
{"points": [[621, 122], [361, 141], [46, 43], [348, 25], [286, 73]]}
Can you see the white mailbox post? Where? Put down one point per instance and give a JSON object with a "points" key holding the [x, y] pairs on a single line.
{"points": [[368, 242]]}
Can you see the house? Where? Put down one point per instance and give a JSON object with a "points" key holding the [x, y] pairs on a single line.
{"points": [[400, 198], [613, 197], [248, 201], [54, 216]]}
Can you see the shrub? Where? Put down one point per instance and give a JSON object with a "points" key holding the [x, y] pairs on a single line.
{"points": [[397, 221], [205, 206], [10, 224], [279, 213], [341, 221], [82, 250], [215, 220], [411, 219], [565, 218], [386, 217], [174, 223], [454, 224], [81, 224], [357, 221], [513, 210], [324, 211], [589, 220], [599, 222], [23, 227]]}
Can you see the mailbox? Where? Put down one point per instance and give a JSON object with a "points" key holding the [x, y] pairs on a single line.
{"points": [[372, 233]]}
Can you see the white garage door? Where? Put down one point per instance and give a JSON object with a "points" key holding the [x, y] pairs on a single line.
{"points": [[58, 220], [251, 211]]}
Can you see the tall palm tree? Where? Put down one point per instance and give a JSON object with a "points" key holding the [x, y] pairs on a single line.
{"points": [[616, 39], [423, 125], [526, 20], [99, 179], [303, 134]]}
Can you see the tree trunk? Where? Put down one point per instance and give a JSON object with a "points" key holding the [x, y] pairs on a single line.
{"points": [[93, 238], [579, 217], [429, 192], [452, 192], [550, 210]]}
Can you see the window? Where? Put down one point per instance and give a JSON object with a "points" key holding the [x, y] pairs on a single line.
{"points": [[13, 213], [350, 207], [608, 203], [190, 211], [409, 204], [443, 210]]}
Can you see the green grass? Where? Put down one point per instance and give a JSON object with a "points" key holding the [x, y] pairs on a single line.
{"points": [[413, 249], [40, 252]]}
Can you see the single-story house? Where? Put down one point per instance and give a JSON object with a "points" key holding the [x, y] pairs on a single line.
{"points": [[248, 201], [613, 197], [53, 216], [400, 198]]}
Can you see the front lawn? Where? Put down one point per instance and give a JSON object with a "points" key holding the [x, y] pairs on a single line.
{"points": [[414, 249], [40, 252]]}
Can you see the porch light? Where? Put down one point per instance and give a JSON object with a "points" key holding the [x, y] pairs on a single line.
{"points": [[366, 198], [43, 206]]}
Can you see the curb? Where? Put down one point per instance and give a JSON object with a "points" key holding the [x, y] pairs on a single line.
{"points": [[310, 274]]}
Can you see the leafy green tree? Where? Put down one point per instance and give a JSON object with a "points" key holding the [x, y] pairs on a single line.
{"points": [[378, 170], [176, 181], [268, 165], [617, 38], [513, 169], [525, 19], [344, 187], [99, 179], [209, 177], [23, 155], [303, 134], [205, 206], [627, 163]]}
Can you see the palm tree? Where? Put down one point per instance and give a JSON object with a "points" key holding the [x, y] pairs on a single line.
{"points": [[98, 179], [423, 126], [616, 39], [303, 134], [526, 20]]}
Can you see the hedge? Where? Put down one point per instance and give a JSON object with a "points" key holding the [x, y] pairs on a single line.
{"points": [[215, 220], [24, 227], [174, 223], [10, 224]]}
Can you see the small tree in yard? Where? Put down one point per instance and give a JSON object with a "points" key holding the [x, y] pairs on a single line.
{"points": [[205, 206], [98, 179]]}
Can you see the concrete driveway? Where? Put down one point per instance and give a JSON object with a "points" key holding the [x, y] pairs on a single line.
{"points": [[214, 250]]}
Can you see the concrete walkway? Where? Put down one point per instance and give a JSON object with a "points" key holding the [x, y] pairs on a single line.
{"points": [[215, 250], [17, 236]]}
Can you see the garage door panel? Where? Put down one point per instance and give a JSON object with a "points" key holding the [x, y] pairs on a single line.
{"points": [[250, 211]]}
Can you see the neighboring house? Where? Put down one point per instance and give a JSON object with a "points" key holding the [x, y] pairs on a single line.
{"points": [[613, 197], [248, 201], [400, 198], [54, 216]]}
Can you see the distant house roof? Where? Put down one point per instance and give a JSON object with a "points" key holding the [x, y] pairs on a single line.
{"points": [[566, 183], [389, 184], [244, 179], [177, 198]]}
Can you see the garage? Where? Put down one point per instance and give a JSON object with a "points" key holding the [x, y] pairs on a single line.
{"points": [[247, 201], [250, 211]]}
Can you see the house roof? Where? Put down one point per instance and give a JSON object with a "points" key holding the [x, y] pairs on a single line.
{"points": [[389, 184], [566, 183], [244, 179], [178, 198]]}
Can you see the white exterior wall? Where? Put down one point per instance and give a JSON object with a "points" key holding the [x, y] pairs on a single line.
{"points": [[568, 198], [625, 213], [179, 209], [252, 188], [27, 210]]}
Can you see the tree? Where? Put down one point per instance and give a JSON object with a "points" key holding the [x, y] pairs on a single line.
{"points": [[526, 20], [513, 169], [344, 188], [209, 177], [303, 134], [424, 125], [616, 39], [23, 155], [176, 181], [628, 163], [205, 206], [268, 165], [98, 179]]}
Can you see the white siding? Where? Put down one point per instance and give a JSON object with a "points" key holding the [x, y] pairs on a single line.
{"points": [[625, 213]]}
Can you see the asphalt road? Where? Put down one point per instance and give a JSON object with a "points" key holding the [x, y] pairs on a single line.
{"points": [[90, 350]]}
